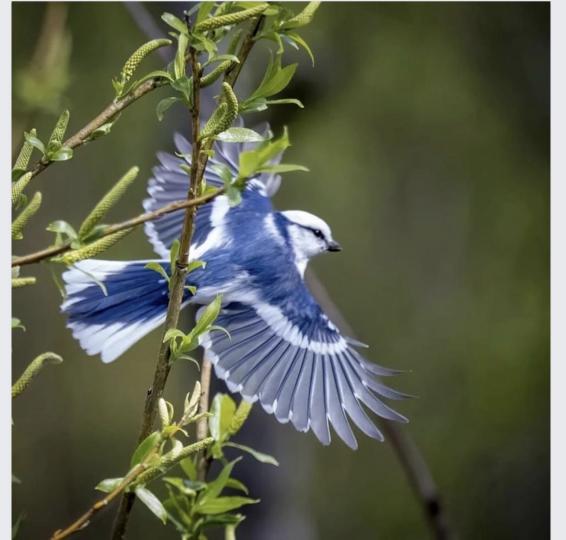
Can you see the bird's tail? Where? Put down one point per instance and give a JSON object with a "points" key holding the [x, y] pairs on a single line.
{"points": [[111, 304]]}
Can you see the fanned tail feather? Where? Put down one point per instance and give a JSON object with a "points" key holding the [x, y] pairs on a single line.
{"points": [[111, 305]]}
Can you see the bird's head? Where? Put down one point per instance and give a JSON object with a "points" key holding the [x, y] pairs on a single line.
{"points": [[309, 236]]}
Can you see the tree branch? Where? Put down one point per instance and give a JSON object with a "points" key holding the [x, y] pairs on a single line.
{"points": [[175, 206], [135, 475], [109, 112], [410, 457]]}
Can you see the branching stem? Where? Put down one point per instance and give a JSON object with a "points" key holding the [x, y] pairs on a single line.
{"points": [[198, 165], [175, 206], [109, 112]]}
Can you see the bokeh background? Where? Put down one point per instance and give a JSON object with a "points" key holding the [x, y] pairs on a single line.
{"points": [[426, 130]]}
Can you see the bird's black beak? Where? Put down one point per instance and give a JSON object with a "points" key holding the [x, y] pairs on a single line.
{"points": [[334, 246]]}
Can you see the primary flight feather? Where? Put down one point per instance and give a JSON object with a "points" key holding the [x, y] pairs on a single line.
{"points": [[280, 349]]}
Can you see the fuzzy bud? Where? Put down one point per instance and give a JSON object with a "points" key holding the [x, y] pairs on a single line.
{"points": [[212, 77], [94, 249], [60, 128], [304, 17], [134, 61], [25, 153], [18, 188], [230, 18], [25, 215], [22, 282], [109, 200], [240, 416], [32, 370]]}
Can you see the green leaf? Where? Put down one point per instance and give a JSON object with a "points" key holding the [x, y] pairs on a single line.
{"points": [[63, 154], [234, 195], [293, 36], [221, 58], [224, 504], [179, 63], [236, 484], [214, 488], [174, 22], [164, 105], [35, 142], [252, 160], [276, 79], [152, 502], [224, 172], [208, 316], [145, 447], [253, 105], [240, 135], [222, 409], [62, 227], [189, 468], [260, 456], [181, 485], [203, 11], [174, 253], [282, 168], [156, 267], [16, 323], [286, 101], [195, 265], [108, 485]]}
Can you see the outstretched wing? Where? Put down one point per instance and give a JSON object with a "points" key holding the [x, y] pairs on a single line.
{"points": [[170, 183], [291, 358]]}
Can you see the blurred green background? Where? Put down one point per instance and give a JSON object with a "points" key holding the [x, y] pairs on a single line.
{"points": [[426, 130]]}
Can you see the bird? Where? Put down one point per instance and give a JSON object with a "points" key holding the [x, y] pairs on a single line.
{"points": [[279, 348]]}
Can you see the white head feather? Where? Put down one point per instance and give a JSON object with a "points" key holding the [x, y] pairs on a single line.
{"points": [[309, 236]]}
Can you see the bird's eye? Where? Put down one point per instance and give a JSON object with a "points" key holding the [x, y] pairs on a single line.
{"points": [[318, 233]]}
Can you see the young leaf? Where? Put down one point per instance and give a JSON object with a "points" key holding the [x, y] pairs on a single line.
{"points": [[295, 38], [189, 468], [174, 253], [145, 447], [61, 227], [208, 316], [16, 323], [222, 409], [152, 502], [179, 65], [195, 265], [174, 22], [35, 142], [236, 484], [260, 456], [156, 267], [181, 485], [224, 504], [108, 485], [63, 154], [214, 488], [240, 135], [282, 168], [164, 105]]}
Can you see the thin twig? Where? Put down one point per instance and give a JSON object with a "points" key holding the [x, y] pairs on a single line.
{"points": [[109, 112], [408, 453], [139, 474], [198, 166], [175, 297], [175, 206], [203, 462]]}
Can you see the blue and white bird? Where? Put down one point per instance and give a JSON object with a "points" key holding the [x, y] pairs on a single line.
{"points": [[282, 350]]}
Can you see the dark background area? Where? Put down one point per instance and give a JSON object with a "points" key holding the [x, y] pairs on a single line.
{"points": [[426, 131]]}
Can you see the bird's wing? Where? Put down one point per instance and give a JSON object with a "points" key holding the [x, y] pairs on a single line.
{"points": [[170, 183], [292, 358]]}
